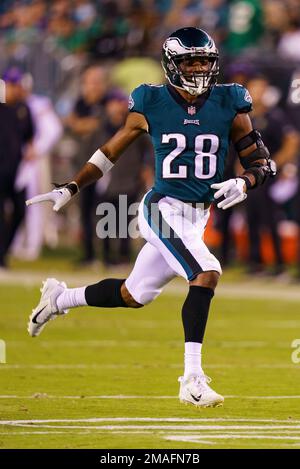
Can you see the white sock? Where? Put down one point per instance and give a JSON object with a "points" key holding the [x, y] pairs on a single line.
{"points": [[70, 298], [192, 359]]}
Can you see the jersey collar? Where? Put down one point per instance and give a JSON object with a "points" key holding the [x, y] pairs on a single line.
{"points": [[190, 108]]}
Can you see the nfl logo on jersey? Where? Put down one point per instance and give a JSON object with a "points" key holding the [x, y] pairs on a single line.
{"points": [[191, 110]]}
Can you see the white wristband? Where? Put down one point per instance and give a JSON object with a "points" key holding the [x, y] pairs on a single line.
{"points": [[101, 161]]}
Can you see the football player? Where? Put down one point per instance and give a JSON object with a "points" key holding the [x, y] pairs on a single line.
{"points": [[191, 120]]}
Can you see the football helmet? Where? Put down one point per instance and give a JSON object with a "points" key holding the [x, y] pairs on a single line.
{"points": [[190, 60]]}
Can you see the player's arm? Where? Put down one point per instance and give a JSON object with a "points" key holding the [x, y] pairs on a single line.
{"points": [[100, 163], [253, 154], [254, 158], [104, 158]]}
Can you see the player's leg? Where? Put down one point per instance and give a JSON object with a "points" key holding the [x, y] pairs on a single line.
{"points": [[194, 384], [195, 312], [176, 229], [149, 275], [145, 282]]}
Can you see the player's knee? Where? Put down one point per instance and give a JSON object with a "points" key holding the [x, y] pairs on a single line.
{"points": [[142, 290], [206, 279], [128, 298]]}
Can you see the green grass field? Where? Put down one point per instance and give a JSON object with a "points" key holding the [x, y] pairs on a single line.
{"points": [[108, 378]]}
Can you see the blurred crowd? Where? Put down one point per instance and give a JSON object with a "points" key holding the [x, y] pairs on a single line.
{"points": [[68, 67]]}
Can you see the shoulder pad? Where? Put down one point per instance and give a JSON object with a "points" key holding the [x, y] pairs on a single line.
{"points": [[242, 100]]}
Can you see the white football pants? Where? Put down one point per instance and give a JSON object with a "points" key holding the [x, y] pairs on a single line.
{"points": [[174, 233]]}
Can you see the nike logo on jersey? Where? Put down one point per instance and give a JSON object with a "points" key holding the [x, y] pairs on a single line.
{"points": [[191, 121], [35, 317]]}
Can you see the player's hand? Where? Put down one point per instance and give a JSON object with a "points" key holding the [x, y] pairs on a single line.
{"points": [[233, 191], [59, 197]]}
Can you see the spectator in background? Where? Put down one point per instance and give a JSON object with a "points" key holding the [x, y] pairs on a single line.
{"points": [[238, 72], [288, 47], [139, 157], [245, 27], [74, 26], [39, 223], [276, 21], [84, 12], [26, 21], [214, 18], [85, 123], [293, 109], [112, 31], [14, 95], [283, 143], [16, 134], [10, 157]]}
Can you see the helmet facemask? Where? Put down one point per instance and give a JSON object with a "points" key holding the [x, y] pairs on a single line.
{"points": [[196, 79]]}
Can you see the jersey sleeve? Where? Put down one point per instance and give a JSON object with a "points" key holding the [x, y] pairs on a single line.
{"points": [[136, 101], [242, 99]]}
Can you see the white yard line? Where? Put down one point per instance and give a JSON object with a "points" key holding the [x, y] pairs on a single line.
{"points": [[198, 438], [143, 343], [121, 396], [41, 433], [261, 397], [112, 366], [201, 435], [158, 427], [153, 419], [207, 433], [152, 343]]}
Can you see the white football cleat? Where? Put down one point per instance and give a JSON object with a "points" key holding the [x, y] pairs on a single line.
{"points": [[46, 310], [195, 390]]}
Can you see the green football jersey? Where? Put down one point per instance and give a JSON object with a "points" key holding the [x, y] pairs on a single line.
{"points": [[190, 140]]}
